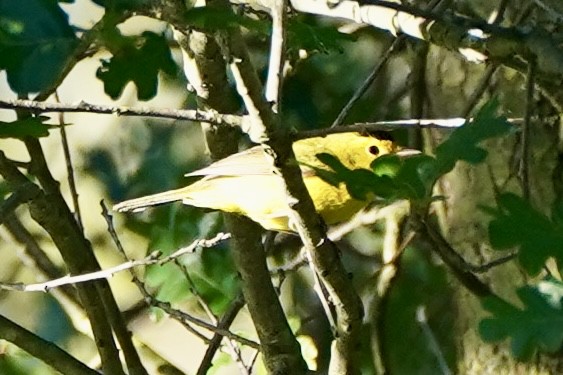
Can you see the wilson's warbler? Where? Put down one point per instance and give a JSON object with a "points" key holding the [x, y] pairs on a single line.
{"points": [[244, 183]]}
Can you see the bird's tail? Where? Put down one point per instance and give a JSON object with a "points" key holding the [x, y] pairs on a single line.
{"points": [[139, 204]]}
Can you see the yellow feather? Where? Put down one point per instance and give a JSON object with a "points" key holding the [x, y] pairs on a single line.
{"points": [[244, 184]]}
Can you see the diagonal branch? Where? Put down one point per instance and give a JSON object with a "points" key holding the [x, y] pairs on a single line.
{"points": [[321, 251], [477, 40], [51, 212], [42, 349], [175, 114]]}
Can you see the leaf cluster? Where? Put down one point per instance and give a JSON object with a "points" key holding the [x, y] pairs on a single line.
{"points": [[516, 224], [393, 177]]}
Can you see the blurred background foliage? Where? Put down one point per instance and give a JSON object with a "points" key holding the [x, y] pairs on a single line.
{"points": [[117, 158]]}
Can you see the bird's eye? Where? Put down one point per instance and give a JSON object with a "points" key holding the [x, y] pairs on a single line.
{"points": [[374, 150]]}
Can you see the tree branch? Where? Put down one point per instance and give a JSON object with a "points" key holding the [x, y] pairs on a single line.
{"points": [[508, 46], [37, 107], [205, 69], [50, 211], [321, 251], [42, 349]]}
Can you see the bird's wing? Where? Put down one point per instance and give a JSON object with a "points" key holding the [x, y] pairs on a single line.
{"points": [[253, 161]]}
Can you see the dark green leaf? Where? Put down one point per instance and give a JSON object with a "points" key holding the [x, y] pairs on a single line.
{"points": [[557, 212], [359, 182], [135, 59], [29, 127], [518, 224], [315, 38], [213, 19], [537, 325], [121, 5], [462, 145], [420, 284], [35, 43], [413, 178]]}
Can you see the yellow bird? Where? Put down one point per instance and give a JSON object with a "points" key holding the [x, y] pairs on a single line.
{"points": [[244, 183]]}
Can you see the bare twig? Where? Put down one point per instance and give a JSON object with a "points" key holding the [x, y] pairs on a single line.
{"points": [[69, 168], [182, 316], [135, 278], [524, 168], [153, 258], [549, 9], [234, 350], [367, 127], [422, 320], [462, 270], [479, 90], [368, 81], [276, 61], [230, 120], [176, 114], [236, 305]]}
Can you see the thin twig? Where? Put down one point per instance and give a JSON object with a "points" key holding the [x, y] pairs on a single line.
{"points": [[175, 114], [368, 81], [175, 314], [180, 315], [422, 320], [367, 127], [276, 61], [153, 258], [234, 350], [550, 10], [226, 119], [69, 168], [524, 171], [214, 344], [479, 90]]}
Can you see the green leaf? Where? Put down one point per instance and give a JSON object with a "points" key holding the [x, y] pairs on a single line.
{"points": [[537, 325], [359, 182], [413, 179], [29, 127], [121, 5], [518, 224], [213, 19], [36, 41], [387, 165], [316, 38], [463, 142], [135, 59]]}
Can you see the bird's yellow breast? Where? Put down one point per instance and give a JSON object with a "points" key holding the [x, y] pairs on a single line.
{"points": [[262, 198]]}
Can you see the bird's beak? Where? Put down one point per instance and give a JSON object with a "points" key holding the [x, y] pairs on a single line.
{"points": [[407, 152]]}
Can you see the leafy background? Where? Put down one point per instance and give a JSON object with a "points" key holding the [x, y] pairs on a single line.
{"points": [[117, 158]]}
